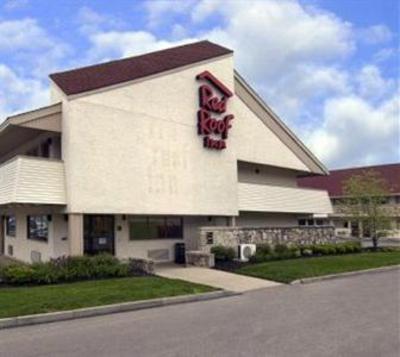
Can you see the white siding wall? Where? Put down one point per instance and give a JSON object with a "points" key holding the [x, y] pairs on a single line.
{"points": [[265, 198], [32, 180]]}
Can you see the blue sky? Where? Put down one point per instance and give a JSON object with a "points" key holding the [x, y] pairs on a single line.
{"points": [[329, 68]]}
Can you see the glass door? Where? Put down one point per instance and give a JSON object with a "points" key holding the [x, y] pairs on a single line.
{"points": [[98, 234]]}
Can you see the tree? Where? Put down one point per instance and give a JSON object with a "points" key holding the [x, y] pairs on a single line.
{"points": [[365, 198]]}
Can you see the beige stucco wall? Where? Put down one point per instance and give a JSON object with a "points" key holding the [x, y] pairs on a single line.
{"points": [[56, 245], [135, 149], [266, 175], [261, 219], [125, 248], [255, 142]]}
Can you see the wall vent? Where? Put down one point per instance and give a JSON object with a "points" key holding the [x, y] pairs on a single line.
{"points": [[36, 257], [158, 254]]}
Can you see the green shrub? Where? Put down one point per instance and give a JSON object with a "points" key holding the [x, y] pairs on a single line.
{"points": [[389, 249], [264, 249], [281, 249], [340, 248], [306, 250], [65, 269], [225, 254], [17, 274], [352, 247], [295, 252]]}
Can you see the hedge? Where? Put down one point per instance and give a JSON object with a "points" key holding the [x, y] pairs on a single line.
{"points": [[65, 269]]}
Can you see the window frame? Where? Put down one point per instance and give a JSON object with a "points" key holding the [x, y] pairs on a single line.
{"points": [[7, 224], [28, 228], [164, 228]]}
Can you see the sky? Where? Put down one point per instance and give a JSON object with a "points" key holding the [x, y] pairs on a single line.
{"points": [[328, 68]]}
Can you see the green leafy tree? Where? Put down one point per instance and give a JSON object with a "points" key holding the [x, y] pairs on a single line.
{"points": [[365, 198]]}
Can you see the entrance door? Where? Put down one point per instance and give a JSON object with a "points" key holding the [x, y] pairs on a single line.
{"points": [[98, 234]]}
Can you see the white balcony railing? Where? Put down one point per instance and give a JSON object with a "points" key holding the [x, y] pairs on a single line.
{"points": [[32, 180], [267, 198]]}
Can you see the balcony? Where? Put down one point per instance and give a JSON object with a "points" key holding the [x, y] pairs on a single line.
{"points": [[268, 198], [32, 180]]}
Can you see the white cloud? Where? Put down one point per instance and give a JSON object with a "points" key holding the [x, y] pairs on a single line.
{"points": [[157, 10], [116, 44], [21, 93], [22, 34], [25, 41], [375, 34], [384, 54], [274, 37], [11, 5], [356, 133], [371, 84], [91, 21]]}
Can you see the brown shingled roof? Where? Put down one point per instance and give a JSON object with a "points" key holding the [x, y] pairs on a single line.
{"points": [[106, 74], [333, 183]]}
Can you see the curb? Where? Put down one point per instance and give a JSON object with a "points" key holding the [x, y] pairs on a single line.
{"points": [[344, 275], [110, 309]]}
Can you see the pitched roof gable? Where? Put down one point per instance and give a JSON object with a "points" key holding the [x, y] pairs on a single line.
{"points": [[115, 72]]}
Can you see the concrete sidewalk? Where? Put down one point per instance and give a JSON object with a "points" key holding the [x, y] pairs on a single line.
{"points": [[215, 278]]}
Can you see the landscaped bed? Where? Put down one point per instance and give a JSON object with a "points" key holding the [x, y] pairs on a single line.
{"points": [[18, 301], [289, 270]]}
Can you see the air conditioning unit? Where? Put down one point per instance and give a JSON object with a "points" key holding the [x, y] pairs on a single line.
{"points": [[246, 251]]}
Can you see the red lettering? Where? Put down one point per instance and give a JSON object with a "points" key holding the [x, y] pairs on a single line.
{"points": [[203, 120], [210, 143], [212, 103], [227, 121]]}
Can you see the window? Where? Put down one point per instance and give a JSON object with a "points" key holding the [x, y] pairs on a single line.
{"points": [[11, 226], [155, 228], [319, 222], [38, 227], [302, 222]]}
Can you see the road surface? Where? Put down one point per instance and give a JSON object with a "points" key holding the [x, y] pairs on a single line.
{"points": [[355, 316]]}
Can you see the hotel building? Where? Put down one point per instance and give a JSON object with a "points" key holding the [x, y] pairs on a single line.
{"points": [[135, 155]]}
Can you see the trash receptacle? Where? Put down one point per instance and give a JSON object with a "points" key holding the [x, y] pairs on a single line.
{"points": [[180, 253]]}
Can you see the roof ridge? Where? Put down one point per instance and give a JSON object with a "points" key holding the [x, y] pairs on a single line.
{"points": [[365, 167], [101, 75], [118, 60]]}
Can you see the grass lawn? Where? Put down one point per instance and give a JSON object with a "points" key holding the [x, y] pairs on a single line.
{"points": [[288, 270], [39, 299]]}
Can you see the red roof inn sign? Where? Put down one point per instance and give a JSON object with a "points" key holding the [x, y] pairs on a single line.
{"points": [[213, 98]]}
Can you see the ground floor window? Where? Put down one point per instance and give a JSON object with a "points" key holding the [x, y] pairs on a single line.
{"points": [[38, 227], [311, 222], [155, 228], [11, 226]]}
